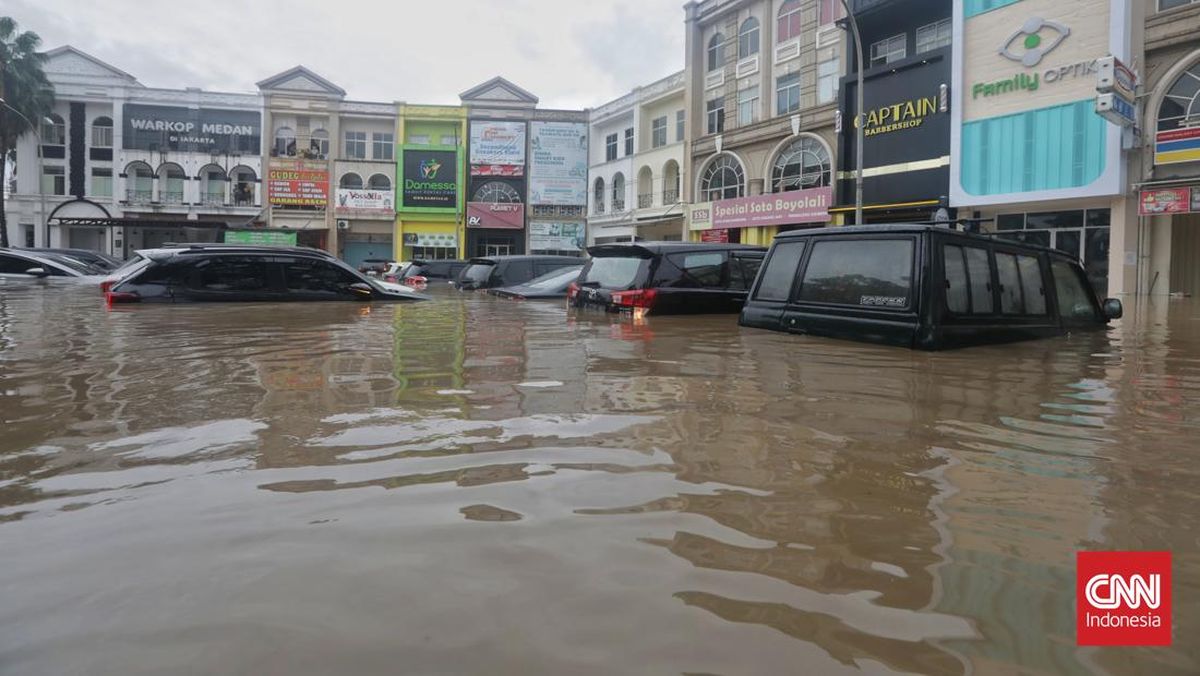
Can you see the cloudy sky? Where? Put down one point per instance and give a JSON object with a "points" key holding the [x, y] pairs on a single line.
{"points": [[570, 53]]}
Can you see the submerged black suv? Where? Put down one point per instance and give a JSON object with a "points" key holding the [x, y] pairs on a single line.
{"points": [[201, 273], [921, 286], [667, 277], [489, 272]]}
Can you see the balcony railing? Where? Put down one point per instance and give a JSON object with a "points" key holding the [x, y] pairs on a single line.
{"points": [[670, 197], [139, 196], [172, 197], [212, 199], [645, 201], [598, 208]]}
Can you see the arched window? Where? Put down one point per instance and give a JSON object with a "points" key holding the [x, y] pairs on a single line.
{"points": [[496, 192], [645, 188], [285, 142], [54, 131], [244, 184], [598, 196], [212, 185], [670, 182], [1180, 108], [350, 181], [618, 193], [748, 38], [139, 183], [379, 182], [102, 132], [723, 179], [716, 52], [788, 25], [318, 145], [804, 163], [171, 180]]}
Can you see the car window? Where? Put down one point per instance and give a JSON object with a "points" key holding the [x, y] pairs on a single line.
{"points": [[15, 265], [518, 272], [706, 269], [781, 270], [556, 279], [230, 273], [742, 270], [958, 298], [615, 272], [1010, 284], [307, 275], [478, 272], [1032, 287], [865, 272], [979, 270], [1074, 301], [165, 273]]}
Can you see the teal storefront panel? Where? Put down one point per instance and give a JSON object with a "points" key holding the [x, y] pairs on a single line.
{"points": [[975, 7], [1045, 149]]}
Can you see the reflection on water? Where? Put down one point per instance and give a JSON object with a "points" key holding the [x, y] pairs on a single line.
{"points": [[475, 485]]}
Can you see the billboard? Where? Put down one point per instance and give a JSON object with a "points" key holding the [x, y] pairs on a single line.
{"points": [[192, 130], [497, 148], [429, 178], [556, 236], [297, 183], [781, 208], [365, 200], [260, 237], [558, 163], [506, 215]]}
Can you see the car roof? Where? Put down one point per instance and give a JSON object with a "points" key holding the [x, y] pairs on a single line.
{"points": [[673, 247], [494, 260], [900, 228], [193, 249], [423, 261]]}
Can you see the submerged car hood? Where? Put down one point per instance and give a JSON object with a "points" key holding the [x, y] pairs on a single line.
{"points": [[400, 290]]}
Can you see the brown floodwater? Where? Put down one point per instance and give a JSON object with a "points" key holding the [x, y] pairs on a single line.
{"points": [[480, 486]]}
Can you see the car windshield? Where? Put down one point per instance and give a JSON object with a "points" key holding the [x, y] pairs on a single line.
{"points": [[615, 272], [478, 272], [555, 280], [72, 264]]}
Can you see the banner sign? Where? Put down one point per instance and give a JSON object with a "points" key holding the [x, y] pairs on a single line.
{"points": [[1177, 145], [558, 163], [364, 200], [430, 178], [556, 236], [506, 215], [433, 240], [193, 130], [783, 208], [497, 148], [297, 183], [1164, 201], [260, 237], [699, 216], [721, 236]]}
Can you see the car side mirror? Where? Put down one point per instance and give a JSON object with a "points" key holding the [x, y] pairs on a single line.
{"points": [[362, 289], [1113, 308], [37, 272]]}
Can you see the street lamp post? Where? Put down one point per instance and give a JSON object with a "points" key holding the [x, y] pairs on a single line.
{"points": [[41, 169], [858, 121]]}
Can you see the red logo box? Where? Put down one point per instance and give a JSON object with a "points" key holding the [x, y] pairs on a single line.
{"points": [[1123, 598]]}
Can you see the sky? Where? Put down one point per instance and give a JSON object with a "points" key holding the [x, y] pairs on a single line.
{"points": [[570, 53]]}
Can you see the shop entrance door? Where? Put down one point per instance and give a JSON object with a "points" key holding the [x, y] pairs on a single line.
{"points": [[1185, 254], [497, 249]]}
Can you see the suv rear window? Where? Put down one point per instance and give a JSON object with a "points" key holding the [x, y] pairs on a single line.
{"points": [[478, 272], [615, 272], [781, 271], [865, 272]]}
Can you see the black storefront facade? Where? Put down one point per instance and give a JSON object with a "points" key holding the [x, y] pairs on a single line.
{"points": [[906, 148], [497, 168]]}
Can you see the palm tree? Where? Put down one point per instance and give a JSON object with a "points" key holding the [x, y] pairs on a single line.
{"points": [[24, 88]]}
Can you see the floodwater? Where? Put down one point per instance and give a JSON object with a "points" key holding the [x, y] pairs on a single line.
{"points": [[481, 486]]}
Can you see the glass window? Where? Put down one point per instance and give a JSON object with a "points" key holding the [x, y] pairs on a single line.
{"points": [[1074, 301], [865, 272], [418, 139], [696, 270], [716, 115], [101, 182], [781, 270], [379, 182], [788, 25], [748, 106], [54, 180], [658, 131], [890, 50], [628, 142], [1068, 242], [54, 131], [102, 132], [979, 271], [1032, 288], [958, 298], [1099, 218], [803, 164], [722, 179], [351, 181], [318, 145], [598, 196], [1054, 219], [933, 36], [748, 38], [615, 272], [449, 140], [716, 51], [230, 273], [742, 270], [1010, 221], [610, 147], [828, 72], [356, 145], [787, 93], [304, 275], [1095, 256], [1164, 5], [618, 193], [679, 119], [829, 11], [285, 142], [381, 146], [1010, 284]]}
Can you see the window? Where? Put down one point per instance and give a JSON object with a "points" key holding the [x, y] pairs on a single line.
{"points": [[419, 139], [285, 142], [933, 36], [1021, 289], [598, 196], [748, 38], [701, 270], [658, 132], [679, 120], [212, 186], [610, 147], [379, 182], [102, 132], [230, 273], [628, 142], [889, 50], [1164, 5], [54, 132], [101, 182], [958, 296], [54, 180], [804, 163], [828, 72], [829, 11], [722, 179], [716, 52], [781, 271], [787, 93], [788, 24], [356, 145], [381, 145], [1032, 288], [318, 145], [979, 270], [968, 280], [715, 110], [449, 140], [313, 277], [1081, 234], [244, 181], [747, 109], [618, 193], [1074, 301], [873, 273], [172, 180], [139, 183], [742, 269], [350, 181], [27, 228]]}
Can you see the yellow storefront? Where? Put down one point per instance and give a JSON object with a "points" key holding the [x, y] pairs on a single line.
{"points": [[427, 239], [430, 223]]}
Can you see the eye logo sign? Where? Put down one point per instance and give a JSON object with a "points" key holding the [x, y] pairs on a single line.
{"points": [[1032, 41]]}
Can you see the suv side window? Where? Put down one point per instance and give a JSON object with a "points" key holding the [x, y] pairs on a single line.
{"points": [[699, 269], [231, 273], [968, 280], [1022, 291], [517, 272], [782, 269], [865, 272], [1074, 301], [306, 275], [742, 269]]}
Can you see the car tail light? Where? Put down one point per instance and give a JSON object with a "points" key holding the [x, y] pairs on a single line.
{"points": [[107, 285], [390, 278], [643, 298], [121, 297], [415, 280], [572, 291]]}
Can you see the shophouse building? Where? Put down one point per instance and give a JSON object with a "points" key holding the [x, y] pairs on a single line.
{"points": [[761, 86], [430, 209], [636, 152]]}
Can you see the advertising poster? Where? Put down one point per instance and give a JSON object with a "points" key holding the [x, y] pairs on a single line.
{"points": [[720, 236], [364, 200], [197, 130], [558, 163], [556, 236], [497, 148], [505, 215], [260, 237], [429, 178], [781, 208], [297, 183], [1164, 201]]}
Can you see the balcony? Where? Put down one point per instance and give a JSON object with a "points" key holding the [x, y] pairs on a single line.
{"points": [[212, 199], [670, 197], [598, 208], [645, 201], [172, 197], [139, 196]]}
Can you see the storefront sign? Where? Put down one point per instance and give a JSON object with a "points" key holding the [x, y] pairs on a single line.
{"points": [[429, 178], [497, 148], [1164, 201], [785, 208], [1177, 145], [699, 216], [297, 183], [1116, 109], [904, 115], [1114, 76], [260, 237], [504, 215], [198, 130], [364, 200], [433, 240], [556, 236], [558, 163], [721, 236]]}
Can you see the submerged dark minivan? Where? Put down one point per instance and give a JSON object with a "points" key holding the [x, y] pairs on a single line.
{"points": [[488, 272], [667, 277], [920, 286]]}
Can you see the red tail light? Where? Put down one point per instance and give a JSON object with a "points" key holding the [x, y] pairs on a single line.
{"points": [[572, 291], [415, 280], [643, 298], [107, 285], [121, 297]]}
